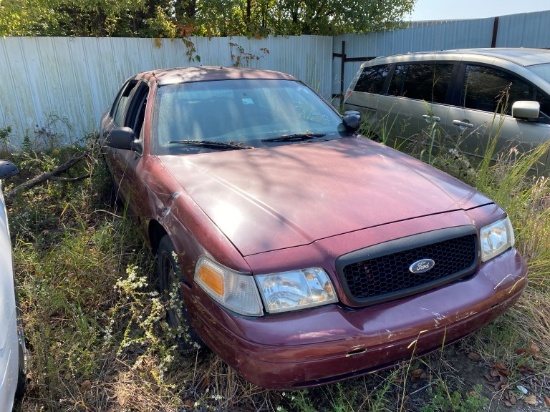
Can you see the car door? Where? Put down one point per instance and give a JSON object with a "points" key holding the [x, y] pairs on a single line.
{"points": [[113, 119], [484, 111], [125, 163], [415, 103]]}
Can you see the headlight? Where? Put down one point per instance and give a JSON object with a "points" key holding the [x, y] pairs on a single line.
{"points": [[297, 289], [496, 238], [233, 290]]}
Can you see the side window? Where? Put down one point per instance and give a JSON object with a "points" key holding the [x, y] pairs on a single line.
{"points": [[544, 101], [423, 81], [489, 89], [397, 80], [119, 107], [372, 79], [136, 109], [428, 81]]}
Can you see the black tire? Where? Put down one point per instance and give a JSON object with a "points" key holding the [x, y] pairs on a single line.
{"points": [[169, 279]]}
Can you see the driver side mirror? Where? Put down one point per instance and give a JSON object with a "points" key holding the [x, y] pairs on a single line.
{"points": [[352, 120], [123, 138], [7, 169]]}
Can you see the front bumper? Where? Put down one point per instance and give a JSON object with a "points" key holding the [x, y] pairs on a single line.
{"points": [[332, 343]]}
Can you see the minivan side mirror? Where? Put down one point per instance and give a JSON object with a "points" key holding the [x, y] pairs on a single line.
{"points": [[526, 110], [352, 120], [123, 138], [7, 169]]}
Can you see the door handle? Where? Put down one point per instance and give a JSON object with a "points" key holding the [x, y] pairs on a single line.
{"points": [[430, 119], [462, 124]]}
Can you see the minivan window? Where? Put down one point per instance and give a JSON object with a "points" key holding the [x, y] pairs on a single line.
{"points": [[544, 101], [423, 81], [372, 79], [485, 87], [397, 80], [541, 70]]}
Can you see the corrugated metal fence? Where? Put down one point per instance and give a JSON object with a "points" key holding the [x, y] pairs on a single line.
{"points": [[61, 86], [518, 30]]}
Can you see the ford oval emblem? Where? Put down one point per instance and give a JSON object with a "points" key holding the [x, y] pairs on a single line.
{"points": [[421, 266]]}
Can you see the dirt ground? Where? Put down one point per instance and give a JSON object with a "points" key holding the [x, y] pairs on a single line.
{"points": [[519, 390]]}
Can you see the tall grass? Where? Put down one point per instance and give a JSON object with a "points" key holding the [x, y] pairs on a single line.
{"points": [[98, 340], [510, 179]]}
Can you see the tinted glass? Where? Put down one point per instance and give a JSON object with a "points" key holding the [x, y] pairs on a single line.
{"points": [[372, 79], [422, 81], [490, 89], [544, 101], [541, 70], [428, 82], [239, 111], [397, 80]]}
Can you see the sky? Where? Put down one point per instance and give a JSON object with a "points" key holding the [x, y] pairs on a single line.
{"points": [[473, 9]]}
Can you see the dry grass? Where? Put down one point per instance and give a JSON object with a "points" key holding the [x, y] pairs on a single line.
{"points": [[98, 341]]}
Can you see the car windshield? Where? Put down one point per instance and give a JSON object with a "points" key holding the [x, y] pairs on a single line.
{"points": [[541, 70], [246, 113]]}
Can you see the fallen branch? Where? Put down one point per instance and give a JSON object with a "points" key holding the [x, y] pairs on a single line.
{"points": [[51, 175], [69, 179]]}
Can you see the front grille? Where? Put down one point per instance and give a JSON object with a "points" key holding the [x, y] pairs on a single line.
{"points": [[381, 273]]}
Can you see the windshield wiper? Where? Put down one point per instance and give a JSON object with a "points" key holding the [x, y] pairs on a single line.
{"points": [[212, 145], [294, 137]]}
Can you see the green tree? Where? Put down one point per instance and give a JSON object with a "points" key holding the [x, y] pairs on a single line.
{"points": [[73, 17], [295, 17], [176, 18], [29, 18], [331, 17]]}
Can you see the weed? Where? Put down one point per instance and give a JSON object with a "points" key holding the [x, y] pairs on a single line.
{"points": [[445, 400], [242, 58], [99, 341], [5, 142]]}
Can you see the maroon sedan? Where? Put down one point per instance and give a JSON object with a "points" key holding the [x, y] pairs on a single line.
{"points": [[298, 251]]}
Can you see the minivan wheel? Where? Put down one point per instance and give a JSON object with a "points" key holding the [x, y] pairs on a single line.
{"points": [[169, 280]]}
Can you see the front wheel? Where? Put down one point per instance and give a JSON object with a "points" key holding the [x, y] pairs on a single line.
{"points": [[169, 284]]}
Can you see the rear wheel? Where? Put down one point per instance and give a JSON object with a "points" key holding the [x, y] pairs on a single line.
{"points": [[169, 283]]}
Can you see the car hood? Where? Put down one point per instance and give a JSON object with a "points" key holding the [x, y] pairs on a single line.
{"points": [[265, 199]]}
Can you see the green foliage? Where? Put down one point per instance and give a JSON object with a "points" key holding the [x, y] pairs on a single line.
{"points": [[445, 400], [165, 18], [509, 179], [73, 18], [242, 58], [290, 17], [99, 341], [5, 141]]}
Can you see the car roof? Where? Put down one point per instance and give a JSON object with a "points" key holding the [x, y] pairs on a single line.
{"points": [[520, 56], [209, 73]]}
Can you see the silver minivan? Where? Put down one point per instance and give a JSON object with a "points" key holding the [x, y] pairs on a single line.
{"points": [[12, 343], [470, 94]]}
